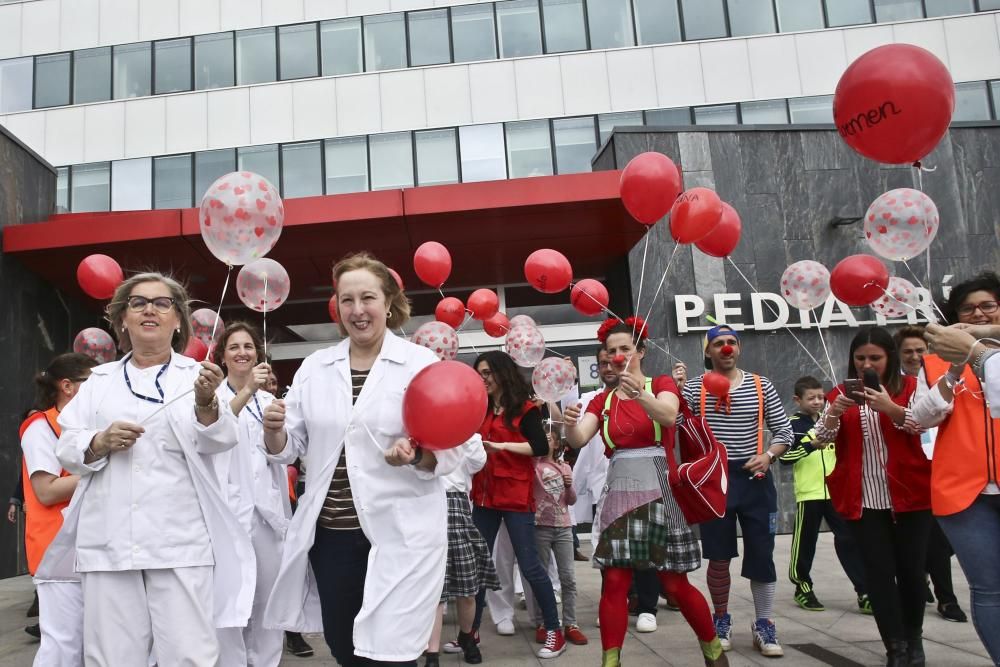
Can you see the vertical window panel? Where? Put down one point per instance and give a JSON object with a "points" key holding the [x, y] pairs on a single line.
{"points": [[132, 184], [607, 122], [209, 166], [529, 148], [898, 10], [995, 94], [172, 182], [92, 75], [564, 26], [610, 24], [987, 5], [519, 28], [483, 155], [298, 51], [751, 17], [385, 42], [391, 160], [669, 117], [262, 160], [437, 157], [575, 143], [949, 7], [62, 190], [799, 15], [720, 114], [341, 42], [818, 109], [16, 84], [302, 169], [767, 112], [346, 165], [132, 70], [91, 187], [173, 65], [428, 33], [52, 80], [473, 33], [657, 21], [214, 65], [848, 12], [256, 56], [703, 19], [972, 102]]}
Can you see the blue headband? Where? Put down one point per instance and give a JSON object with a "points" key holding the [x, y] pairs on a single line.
{"points": [[721, 330]]}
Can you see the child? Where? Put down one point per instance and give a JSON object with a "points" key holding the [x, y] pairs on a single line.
{"points": [[813, 461]]}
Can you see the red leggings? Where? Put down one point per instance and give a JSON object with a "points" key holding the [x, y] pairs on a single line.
{"points": [[614, 605]]}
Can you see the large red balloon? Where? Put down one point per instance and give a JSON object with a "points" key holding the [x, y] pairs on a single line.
{"points": [[99, 276], [722, 240], [451, 311], [716, 384], [332, 306], [894, 103], [694, 215], [432, 263], [859, 279], [195, 349], [397, 278], [548, 271], [445, 388], [589, 297], [649, 185], [484, 304], [496, 326]]}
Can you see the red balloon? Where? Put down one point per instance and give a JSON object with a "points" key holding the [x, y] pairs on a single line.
{"points": [[397, 278], [484, 304], [859, 279], [722, 240], [195, 349], [716, 384], [589, 297], [99, 276], [694, 215], [448, 388], [496, 326], [332, 307], [451, 311], [432, 262], [894, 103], [649, 185], [548, 271]]}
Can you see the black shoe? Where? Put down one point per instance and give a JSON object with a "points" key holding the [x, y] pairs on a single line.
{"points": [[579, 556], [915, 650], [807, 600], [950, 611], [470, 649], [431, 659], [896, 654], [34, 631], [33, 609], [298, 646]]}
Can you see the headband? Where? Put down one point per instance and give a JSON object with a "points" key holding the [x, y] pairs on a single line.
{"points": [[636, 322]]}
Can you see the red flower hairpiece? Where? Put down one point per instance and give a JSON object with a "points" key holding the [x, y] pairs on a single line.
{"points": [[637, 323]]}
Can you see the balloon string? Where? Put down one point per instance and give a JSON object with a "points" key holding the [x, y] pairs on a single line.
{"points": [[440, 291], [658, 288], [826, 351], [215, 324], [642, 276], [265, 317], [166, 405], [934, 305], [917, 172]]}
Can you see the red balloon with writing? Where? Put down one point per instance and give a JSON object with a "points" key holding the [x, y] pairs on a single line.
{"points": [[444, 405]]}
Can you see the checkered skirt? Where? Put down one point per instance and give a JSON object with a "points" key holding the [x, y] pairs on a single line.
{"points": [[470, 566]]}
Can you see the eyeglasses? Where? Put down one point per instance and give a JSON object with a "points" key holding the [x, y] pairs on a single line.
{"points": [[986, 307], [604, 364], [162, 304], [486, 374]]}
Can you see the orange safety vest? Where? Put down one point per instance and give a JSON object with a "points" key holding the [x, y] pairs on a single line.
{"points": [[967, 444], [42, 522]]}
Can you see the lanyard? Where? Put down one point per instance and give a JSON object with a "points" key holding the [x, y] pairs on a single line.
{"points": [[259, 415], [156, 382]]}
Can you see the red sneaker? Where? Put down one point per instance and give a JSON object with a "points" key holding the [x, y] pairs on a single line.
{"points": [[540, 634], [554, 646], [574, 635]]}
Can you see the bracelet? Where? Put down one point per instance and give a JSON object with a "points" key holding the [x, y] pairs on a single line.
{"points": [[979, 365], [214, 405], [93, 454], [418, 455]]}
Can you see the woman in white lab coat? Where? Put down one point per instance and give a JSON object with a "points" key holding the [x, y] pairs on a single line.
{"points": [[161, 557], [364, 557]]}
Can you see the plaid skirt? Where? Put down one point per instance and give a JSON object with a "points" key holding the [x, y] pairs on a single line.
{"points": [[470, 566]]}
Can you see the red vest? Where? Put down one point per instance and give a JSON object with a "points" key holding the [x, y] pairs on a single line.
{"points": [[908, 471], [42, 522], [505, 482]]}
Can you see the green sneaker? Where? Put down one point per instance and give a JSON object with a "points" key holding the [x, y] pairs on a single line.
{"points": [[807, 600], [611, 657], [864, 604]]}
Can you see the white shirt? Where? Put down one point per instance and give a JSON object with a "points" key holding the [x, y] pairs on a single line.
{"points": [[473, 460], [39, 446], [991, 384]]}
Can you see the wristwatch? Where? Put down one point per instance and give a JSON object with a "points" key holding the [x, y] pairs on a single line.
{"points": [[213, 406], [771, 455]]}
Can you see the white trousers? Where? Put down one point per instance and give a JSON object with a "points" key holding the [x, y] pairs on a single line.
{"points": [[60, 616], [124, 613]]}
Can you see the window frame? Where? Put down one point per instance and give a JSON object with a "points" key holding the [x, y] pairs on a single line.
{"points": [[409, 41], [277, 51], [34, 79], [191, 183], [191, 71]]}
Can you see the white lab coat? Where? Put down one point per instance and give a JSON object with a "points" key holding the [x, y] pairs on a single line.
{"points": [[590, 470], [402, 510]]}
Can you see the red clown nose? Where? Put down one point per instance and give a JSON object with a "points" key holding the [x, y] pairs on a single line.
{"points": [[618, 360], [726, 350]]}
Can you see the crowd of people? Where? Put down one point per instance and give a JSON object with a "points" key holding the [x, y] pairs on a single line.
{"points": [[160, 524]]}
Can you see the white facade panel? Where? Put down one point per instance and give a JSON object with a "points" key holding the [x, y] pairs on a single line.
{"points": [[358, 107], [679, 80], [270, 113], [821, 60], [277, 12], [861, 40], [187, 123], [199, 17], [315, 10], [774, 67], [10, 31], [973, 48], [228, 117], [539, 87], [725, 67], [145, 127], [239, 14], [79, 24], [403, 5], [29, 128], [493, 91], [38, 22], [105, 137], [448, 96], [401, 95], [585, 86], [632, 79], [159, 19], [119, 22], [64, 132], [925, 34], [362, 7], [314, 108]]}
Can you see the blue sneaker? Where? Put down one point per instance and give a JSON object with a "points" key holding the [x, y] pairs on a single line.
{"points": [[724, 629], [765, 638]]}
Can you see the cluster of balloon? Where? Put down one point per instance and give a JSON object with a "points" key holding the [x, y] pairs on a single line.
{"points": [[496, 326], [195, 349], [241, 217], [694, 214], [648, 187], [901, 224], [525, 344], [444, 405], [332, 307], [894, 103], [805, 284], [99, 276], [439, 338], [899, 300], [725, 236], [202, 322], [399, 279], [432, 264], [859, 280], [96, 344], [548, 271], [553, 378], [451, 311], [589, 297], [519, 320], [716, 384], [483, 304], [263, 285]]}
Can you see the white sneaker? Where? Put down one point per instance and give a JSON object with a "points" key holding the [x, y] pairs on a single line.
{"points": [[765, 638], [505, 627], [645, 623]]}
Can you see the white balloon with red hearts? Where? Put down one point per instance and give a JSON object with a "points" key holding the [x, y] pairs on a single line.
{"points": [[241, 217], [439, 338], [901, 224], [900, 299], [805, 284], [526, 345], [553, 378], [263, 285]]}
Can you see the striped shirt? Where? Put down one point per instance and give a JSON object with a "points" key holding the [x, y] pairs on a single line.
{"points": [[338, 511], [738, 428], [874, 459]]}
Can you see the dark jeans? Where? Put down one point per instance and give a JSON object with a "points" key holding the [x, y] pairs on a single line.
{"points": [[339, 560], [521, 528], [647, 588], [893, 548], [939, 555], [808, 517]]}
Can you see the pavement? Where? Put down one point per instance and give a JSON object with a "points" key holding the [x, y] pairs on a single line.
{"points": [[839, 636]]}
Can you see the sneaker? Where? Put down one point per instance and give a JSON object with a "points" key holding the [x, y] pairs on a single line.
{"points": [[455, 647], [579, 557], [522, 602], [470, 648], [298, 646], [540, 634], [724, 629], [950, 611], [645, 623], [765, 638], [504, 627], [807, 600], [574, 635], [555, 645], [864, 604], [431, 659], [34, 630], [33, 609]]}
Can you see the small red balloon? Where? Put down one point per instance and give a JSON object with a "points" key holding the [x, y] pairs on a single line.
{"points": [[451, 311], [722, 240], [548, 271], [484, 304], [589, 297], [859, 279], [195, 349], [99, 276], [716, 384], [618, 360], [649, 185], [496, 326], [444, 388], [397, 278], [432, 263], [694, 215], [332, 307]]}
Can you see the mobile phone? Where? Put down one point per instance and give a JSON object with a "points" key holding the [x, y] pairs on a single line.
{"points": [[871, 379], [855, 390]]}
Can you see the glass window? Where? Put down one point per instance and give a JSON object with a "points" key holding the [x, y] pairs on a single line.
{"points": [[987, 5], [575, 144], [482, 149], [720, 114], [703, 19], [132, 70], [62, 190], [817, 109], [256, 56], [995, 94], [52, 80], [437, 157], [341, 42], [519, 29], [172, 181], [298, 51], [608, 121], [657, 21], [209, 166], [767, 112], [91, 187], [392, 160], [173, 65], [610, 24], [213, 61], [262, 160], [429, 44], [898, 10], [750, 17], [848, 12], [92, 75], [564, 26], [132, 184], [16, 84], [472, 32], [669, 117], [346, 165], [529, 148], [301, 169], [385, 42], [948, 7], [971, 101], [799, 15]]}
